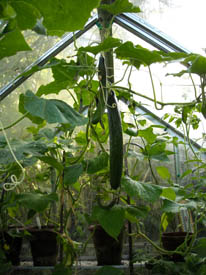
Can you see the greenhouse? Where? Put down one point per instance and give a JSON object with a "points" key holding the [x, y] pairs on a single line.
{"points": [[102, 137]]}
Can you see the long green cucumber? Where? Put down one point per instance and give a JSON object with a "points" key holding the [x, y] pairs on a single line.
{"points": [[102, 91], [115, 141]]}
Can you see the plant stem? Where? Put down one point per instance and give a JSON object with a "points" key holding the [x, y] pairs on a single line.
{"points": [[14, 123], [151, 99], [154, 93]]}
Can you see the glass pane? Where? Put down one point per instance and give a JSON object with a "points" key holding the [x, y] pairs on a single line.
{"points": [[11, 66], [181, 19]]}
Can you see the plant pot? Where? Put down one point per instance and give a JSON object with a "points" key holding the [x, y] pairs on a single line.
{"points": [[108, 250], [44, 246], [11, 246], [171, 241]]}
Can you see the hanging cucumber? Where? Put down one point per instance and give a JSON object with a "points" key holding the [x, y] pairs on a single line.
{"points": [[115, 140], [100, 100], [203, 108]]}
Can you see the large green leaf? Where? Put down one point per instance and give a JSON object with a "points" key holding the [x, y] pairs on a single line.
{"points": [[138, 55], [36, 201], [157, 150], [52, 110], [109, 270], [134, 213], [52, 162], [168, 193], [172, 56], [163, 172], [120, 6], [94, 165], [81, 138], [60, 16], [26, 14], [106, 45], [6, 10], [53, 87], [147, 134], [34, 119], [86, 64], [198, 65], [64, 74], [200, 247], [64, 71], [146, 191], [174, 207], [22, 150], [84, 96], [72, 173], [12, 42], [112, 219]]}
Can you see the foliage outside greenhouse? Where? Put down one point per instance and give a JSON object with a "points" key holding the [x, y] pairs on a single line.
{"points": [[90, 143]]}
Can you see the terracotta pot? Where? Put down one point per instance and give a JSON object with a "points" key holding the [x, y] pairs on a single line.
{"points": [[108, 250], [11, 245], [170, 241], [44, 246]]}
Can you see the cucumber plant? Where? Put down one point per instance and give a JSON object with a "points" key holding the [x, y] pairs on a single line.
{"points": [[72, 138]]}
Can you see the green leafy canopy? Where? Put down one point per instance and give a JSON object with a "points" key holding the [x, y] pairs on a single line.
{"points": [[58, 17]]}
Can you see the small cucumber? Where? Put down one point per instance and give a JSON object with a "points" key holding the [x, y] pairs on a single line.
{"points": [[115, 140], [100, 100]]}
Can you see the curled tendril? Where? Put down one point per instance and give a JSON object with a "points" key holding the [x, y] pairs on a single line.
{"points": [[8, 186]]}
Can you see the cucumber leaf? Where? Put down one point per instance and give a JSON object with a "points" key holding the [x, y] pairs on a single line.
{"points": [[146, 191], [60, 16], [120, 6], [94, 165], [106, 45], [112, 219], [12, 42], [52, 110], [72, 173], [36, 201]]}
